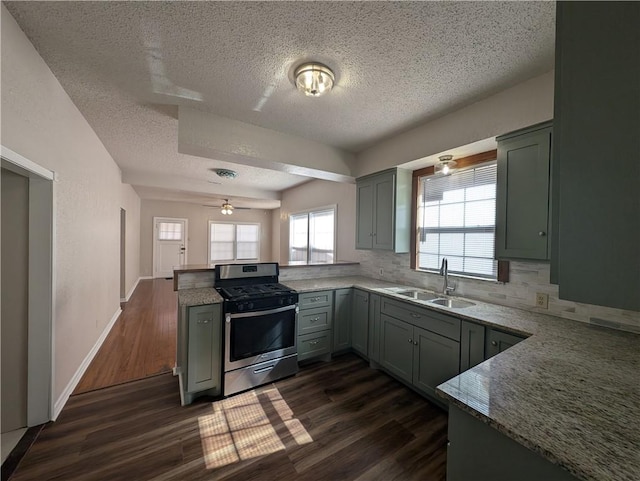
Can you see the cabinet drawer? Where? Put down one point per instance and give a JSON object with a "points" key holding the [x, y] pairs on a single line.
{"points": [[314, 344], [314, 320], [310, 300], [432, 321]]}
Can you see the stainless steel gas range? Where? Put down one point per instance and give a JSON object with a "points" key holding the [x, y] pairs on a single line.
{"points": [[260, 325]]}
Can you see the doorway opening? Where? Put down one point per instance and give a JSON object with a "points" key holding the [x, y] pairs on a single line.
{"points": [[26, 247]]}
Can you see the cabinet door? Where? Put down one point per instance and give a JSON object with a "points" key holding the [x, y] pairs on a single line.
{"points": [[471, 345], [396, 343], [384, 211], [435, 359], [204, 358], [374, 327], [364, 215], [360, 322], [342, 320], [598, 119], [498, 341], [522, 197]]}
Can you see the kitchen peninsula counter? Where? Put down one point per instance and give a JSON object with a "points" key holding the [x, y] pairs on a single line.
{"points": [[570, 392]]}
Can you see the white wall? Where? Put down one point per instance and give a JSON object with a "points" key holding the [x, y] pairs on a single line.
{"points": [[525, 104], [198, 217], [40, 122], [321, 193]]}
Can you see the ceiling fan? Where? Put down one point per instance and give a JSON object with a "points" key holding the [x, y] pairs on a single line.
{"points": [[226, 208]]}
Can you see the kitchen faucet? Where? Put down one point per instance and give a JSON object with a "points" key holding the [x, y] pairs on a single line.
{"points": [[444, 271]]}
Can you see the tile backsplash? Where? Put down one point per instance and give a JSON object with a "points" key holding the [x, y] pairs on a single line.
{"points": [[525, 280]]}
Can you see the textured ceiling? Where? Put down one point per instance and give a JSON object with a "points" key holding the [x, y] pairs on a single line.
{"points": [[128, 65]]}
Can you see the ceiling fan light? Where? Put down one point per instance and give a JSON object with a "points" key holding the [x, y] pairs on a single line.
{"points": [[314, 79], [227, 209]]}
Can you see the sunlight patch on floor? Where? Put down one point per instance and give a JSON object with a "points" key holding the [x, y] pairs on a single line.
{"points": [[240, 428]]}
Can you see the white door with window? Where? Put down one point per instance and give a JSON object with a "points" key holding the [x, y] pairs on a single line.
{"points": [[169, 245]]}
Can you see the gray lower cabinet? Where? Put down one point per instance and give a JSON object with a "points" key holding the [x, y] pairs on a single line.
{"points": [[342, 320], [476, 451], [435, 360], [199, 356], [360, 322], [498, 341], [413, 350], [315, 323], [396, 347], [522, 196], [374, 328], [471, 345]]}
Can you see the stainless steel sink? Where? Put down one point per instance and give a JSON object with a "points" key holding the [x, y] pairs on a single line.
{"points": [[452, 303], [418, 295]]}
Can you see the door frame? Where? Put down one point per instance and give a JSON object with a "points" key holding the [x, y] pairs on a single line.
{"points": [[42, 210], [155, 240]]}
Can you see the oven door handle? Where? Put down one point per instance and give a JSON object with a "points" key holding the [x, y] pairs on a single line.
{"points": [[230, 316]]}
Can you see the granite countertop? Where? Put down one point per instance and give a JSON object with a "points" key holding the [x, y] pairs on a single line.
{"points": [[570, 391], [198, 297]]}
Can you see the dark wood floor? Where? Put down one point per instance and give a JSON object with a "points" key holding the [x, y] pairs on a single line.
{"points": [[142, 341], [332, 421]]}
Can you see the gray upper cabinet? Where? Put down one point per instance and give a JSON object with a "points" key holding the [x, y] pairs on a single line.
{"points": [[596, 146], [360, 322], [522, 197], [383, 211]]}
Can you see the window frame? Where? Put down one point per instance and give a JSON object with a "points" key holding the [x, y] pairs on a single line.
{"points": [[235, 241], [308, 212], [475, 160]]}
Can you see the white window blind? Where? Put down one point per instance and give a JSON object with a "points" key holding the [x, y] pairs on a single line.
{"points": [[456, 220], [312, 237], [170, 231], [231, 242]]}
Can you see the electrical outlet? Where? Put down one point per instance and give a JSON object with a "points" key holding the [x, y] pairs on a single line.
{"points": [[381, 272], [542, 300]]}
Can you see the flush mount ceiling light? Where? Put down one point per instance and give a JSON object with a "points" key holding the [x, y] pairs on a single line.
{"points": [[226, 173], [446, 165], [314, 79], [227, 209]]}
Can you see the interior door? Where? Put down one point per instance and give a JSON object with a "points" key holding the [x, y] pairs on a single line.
{"points": [[169, 245]]}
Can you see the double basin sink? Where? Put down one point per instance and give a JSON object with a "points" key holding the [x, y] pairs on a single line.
{"points": [[431, 298]]}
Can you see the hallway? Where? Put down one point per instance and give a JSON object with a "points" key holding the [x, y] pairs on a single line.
{"points": [[142, 342]]}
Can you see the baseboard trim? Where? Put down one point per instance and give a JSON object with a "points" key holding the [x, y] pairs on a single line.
{"points": [[64, 397], [130, 293]]}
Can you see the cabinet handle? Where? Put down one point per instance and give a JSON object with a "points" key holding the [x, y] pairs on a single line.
{"points": [[410, 341], [415, 343], [374, 234], [315, 319], [415, 316], [494, 343], [204, 321], [542, 233], [313, 343]]}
